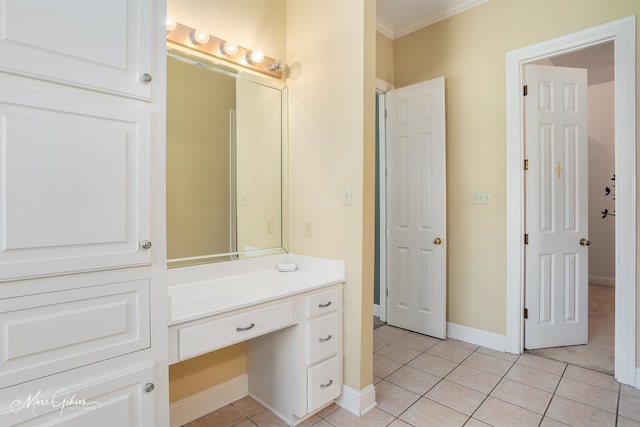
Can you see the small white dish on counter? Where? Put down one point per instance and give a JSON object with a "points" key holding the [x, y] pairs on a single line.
{"points": [[287, 267]]}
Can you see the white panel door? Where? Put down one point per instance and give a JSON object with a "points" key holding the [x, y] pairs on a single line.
{"points": [[104, 45], [75, 180], [416, 247], [556, 146]]}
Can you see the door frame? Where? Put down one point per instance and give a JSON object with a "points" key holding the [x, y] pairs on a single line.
{"points": [[381, 89], [623, 33]]}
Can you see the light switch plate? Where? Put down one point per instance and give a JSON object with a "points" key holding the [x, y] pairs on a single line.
{"points": [[481, 198]]}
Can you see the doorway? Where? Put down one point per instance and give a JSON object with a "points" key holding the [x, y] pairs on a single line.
{"points": [[622, 33], [594, 297]]}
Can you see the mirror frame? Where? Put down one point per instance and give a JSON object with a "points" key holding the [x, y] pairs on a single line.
{"points": [[216, 65]]}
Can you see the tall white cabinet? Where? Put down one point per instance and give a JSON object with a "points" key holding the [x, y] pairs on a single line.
{"points": [[83, 338]]}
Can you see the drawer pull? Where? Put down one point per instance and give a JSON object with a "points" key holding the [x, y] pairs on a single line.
{"points": [[327, 384], [324, 305], [246, 328], [325, 339]]}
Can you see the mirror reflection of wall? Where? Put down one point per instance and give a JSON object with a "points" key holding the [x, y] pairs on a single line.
{"points": [[224, 165]]}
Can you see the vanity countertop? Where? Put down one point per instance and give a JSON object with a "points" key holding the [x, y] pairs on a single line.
{"points": [[224, 288]]}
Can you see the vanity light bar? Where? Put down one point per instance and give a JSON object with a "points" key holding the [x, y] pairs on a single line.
{"points": [[186, 36]]}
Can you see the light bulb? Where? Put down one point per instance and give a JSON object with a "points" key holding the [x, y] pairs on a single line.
{"points": [[255, 57], [230, 48], [200, 37], [171, 23]]}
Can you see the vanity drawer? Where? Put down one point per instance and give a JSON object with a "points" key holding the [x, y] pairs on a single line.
{"points": [[223, 331], [324, 383], [324, 338], [324, 302]]}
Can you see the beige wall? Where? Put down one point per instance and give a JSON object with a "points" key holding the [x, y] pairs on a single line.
{"points": [[331, 136], [384, 58], [469, 50]]}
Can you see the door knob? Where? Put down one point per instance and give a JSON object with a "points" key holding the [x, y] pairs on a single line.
{"points": [[585, 242], [437, 241]]}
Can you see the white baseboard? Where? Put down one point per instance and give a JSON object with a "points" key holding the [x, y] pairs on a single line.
{"points": [[376, 310], [637, 384], [357, 402], [604, 281], [193, 407], [477, 336]]}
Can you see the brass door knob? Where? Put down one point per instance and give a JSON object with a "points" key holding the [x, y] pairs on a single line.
{"points": [[585, 242], [437, 241]]}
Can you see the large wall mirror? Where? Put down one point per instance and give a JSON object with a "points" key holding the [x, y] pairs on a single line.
{"points": [[226, 146]]}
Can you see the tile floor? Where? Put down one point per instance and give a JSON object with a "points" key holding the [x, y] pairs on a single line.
{"points": [[423, 381]]}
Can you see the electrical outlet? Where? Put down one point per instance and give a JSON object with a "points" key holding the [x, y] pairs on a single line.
{"points": [[307, 228], [269, 225]]}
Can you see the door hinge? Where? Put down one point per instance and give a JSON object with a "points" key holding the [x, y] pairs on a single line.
{"points": [[526, 239], [525, 90], [386, 292], [526, 313], [526, 164]]}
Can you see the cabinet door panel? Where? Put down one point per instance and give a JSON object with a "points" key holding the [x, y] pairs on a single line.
{"points": [[46, 333], [102, 45], [118, 399], [76, 183]]}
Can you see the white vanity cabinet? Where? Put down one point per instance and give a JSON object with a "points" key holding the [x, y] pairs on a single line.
{"points": [[292, 322], [82, 264]]}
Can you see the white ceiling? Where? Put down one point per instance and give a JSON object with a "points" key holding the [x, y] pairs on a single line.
{"points": [[397, 18]]}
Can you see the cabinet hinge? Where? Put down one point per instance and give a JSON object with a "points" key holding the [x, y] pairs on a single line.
{"points": [[526, 313], [526, 164], [525, 90], [526, 239]]}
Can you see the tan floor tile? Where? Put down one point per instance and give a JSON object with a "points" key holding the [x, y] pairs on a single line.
{"points": [[427, 413], [588, 394], [248, 406], [487, 363], [383, 366], [498, 413], [592, 377], [626, 422], [473, 378], [458, 343], [450, 352], [322, 423], [499, 354], [533, 377], [629, 407], [548, 422], [373, 418], [476, 423], [394, 399], [376, 380], [267, 419], [311, 421], [413, 379], [629, 391], [456, 396], [418, 341], [522, 395], [537, 362], [327, 410], [223, 417], [578, 414], [399, 423], [389, 333], [378, 343], [399, 353], [432, 364], [245, 423]]}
